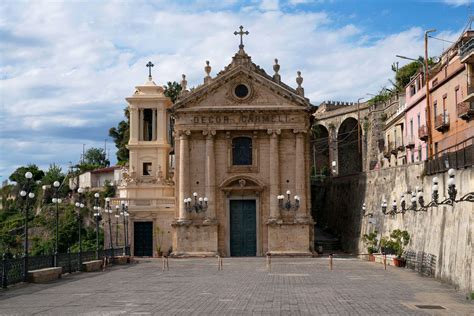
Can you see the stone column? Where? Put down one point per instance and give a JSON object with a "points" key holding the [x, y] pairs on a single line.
{"points": [[210, 175], [183, 187], [153, 125], [274, 163], [134, 122], [300, 172]]}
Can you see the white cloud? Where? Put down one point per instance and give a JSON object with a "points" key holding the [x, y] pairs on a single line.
{"points": [[269, 5], [457, 3], [66, 67]]}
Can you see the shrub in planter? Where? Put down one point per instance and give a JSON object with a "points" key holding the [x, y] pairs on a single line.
{"points": [[370, 240], [396, 245]]}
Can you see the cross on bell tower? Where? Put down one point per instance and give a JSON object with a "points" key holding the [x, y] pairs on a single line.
{"points": [[149, 65], [241, 33]]}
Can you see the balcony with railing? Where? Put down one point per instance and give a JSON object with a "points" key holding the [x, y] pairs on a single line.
{"points": [[465, 110], [423, 133], [410, 141], [466, 52], [442, 122]]}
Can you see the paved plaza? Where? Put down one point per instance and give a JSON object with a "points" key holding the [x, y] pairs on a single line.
{"points": [[245, 286]]}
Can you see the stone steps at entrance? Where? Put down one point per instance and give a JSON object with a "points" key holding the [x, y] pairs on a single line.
{"points": [[327, 241], [328, 245]]}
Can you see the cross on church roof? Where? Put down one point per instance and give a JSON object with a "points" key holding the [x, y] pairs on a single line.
{"points": [[241, 33], [149, 65]]}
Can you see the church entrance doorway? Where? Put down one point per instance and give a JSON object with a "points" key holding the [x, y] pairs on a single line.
{"points": [[243, 228], [143, 239]]}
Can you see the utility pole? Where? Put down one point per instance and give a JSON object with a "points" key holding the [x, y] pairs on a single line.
{"points": [[428, 107]]}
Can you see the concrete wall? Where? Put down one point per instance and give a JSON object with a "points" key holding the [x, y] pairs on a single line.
{"points": [[446, 232]]}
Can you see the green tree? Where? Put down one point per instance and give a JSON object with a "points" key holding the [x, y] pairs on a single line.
{"points": [[18, 175], [172, 90], [94, 158], [404, 74], [109, 189], [54, 173], [121, 135]]}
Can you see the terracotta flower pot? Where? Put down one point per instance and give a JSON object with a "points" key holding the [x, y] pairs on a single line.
{"points": [[371, 257], [399, 262]]}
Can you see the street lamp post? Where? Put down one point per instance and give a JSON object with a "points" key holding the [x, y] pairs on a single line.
{"points": [[31, 195], [108, 209], [79, 207], [117, 217], [124, 213], [98, 218], [56, 201]]}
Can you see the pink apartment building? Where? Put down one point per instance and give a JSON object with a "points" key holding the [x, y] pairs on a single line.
{"points": [[416, 132]]}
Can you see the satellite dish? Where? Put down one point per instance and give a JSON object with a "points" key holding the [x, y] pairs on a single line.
{"points": [[436, 60]]}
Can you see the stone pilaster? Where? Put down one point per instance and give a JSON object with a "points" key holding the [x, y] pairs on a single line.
{"points": [[183, 181], [210, 175], [274, 162], [300, 172]]}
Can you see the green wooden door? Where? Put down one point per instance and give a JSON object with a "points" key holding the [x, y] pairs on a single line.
{"points": [[143, 239], [243, 228]]}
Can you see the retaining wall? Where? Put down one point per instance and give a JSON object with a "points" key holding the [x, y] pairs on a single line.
{"points": [[444, 234]]}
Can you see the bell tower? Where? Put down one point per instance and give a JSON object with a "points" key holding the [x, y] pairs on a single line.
{"points": [[149, 142]]}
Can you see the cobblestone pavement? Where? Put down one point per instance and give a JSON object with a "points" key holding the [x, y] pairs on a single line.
{"points": [[245, 286]]}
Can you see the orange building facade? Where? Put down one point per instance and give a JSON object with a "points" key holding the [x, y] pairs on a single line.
{"points": [[452, 98]]}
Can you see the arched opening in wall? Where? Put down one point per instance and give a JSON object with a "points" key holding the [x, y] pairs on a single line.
{"points": [[320, 150], [349, 152]]}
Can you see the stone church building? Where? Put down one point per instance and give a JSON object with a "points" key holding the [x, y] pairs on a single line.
{"points": [[240, 185]]}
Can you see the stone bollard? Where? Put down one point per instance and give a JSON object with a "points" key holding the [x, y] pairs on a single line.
{"points": [[220, 265], [165, 263], [330, 262], [269, 262]]}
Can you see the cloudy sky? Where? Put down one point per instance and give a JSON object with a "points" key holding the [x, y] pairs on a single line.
{"points": [[66, 66]]}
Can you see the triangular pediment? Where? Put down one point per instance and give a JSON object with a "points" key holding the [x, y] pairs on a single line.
{"points": [[242, 85]]}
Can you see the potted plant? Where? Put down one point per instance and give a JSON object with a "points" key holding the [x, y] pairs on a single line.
{"points": [[396, 245], [370, 240]]}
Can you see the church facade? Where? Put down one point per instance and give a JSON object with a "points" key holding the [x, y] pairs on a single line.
{"points": [[242, 165]]}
